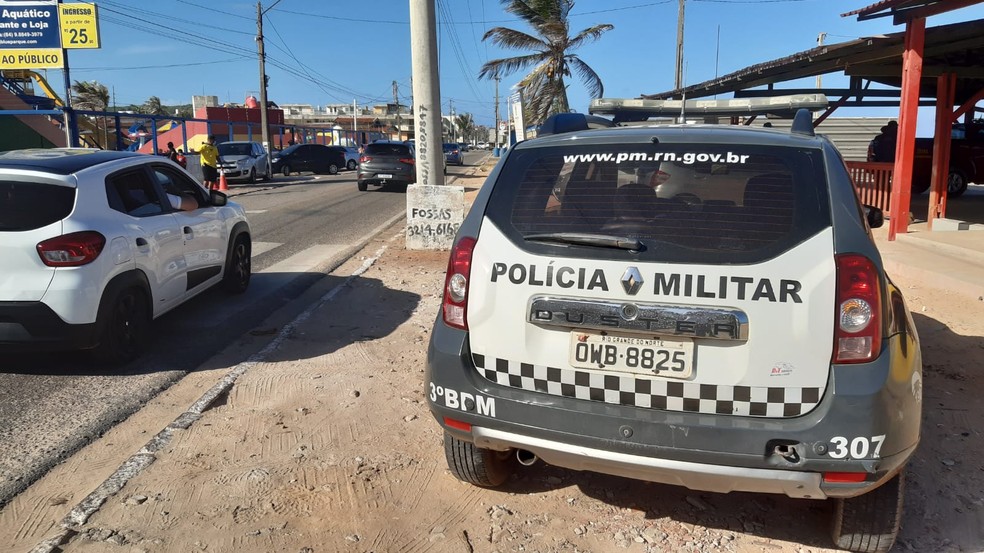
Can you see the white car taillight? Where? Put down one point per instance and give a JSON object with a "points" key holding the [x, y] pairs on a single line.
{"points": [[71, 250], [857, 330], [455, 302]]}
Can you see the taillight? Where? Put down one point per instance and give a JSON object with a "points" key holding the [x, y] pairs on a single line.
{"points": [[407, 160], [363, 159], [72, 250], [456, 284], [857, 328]]}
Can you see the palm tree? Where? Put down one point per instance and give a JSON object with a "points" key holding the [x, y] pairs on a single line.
{"points": [[153, 106], [466, 126], [92, 96], [543, 88]]}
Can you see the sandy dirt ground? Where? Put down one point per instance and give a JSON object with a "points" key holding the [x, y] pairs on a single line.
{"points": [[329, 446]]}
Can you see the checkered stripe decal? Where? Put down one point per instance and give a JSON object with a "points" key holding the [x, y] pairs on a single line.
{"points": [[653, 393]]}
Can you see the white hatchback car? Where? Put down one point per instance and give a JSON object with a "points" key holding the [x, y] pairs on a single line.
{"points": [[93, 249]]}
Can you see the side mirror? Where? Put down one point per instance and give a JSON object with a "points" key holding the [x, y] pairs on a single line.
{"points": [[218, 198], [874, 215]]}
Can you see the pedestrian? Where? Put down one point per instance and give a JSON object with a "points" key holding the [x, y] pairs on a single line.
{"points": [[883, 145], [210, 163], [172, 154]]}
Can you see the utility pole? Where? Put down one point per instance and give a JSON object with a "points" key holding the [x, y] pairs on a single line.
{"points": [[68, 113], [496, 129], [820, 38], [396, 100], [355, 121], [678, 83], [264, 123], [426, 92]]}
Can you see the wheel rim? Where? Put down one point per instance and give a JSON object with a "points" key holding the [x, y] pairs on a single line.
{"points": [[332, 169], [351, 165], [241, 264], [954, 182]]}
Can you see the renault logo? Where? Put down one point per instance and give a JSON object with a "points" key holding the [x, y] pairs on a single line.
{"points": [[632, 281]]}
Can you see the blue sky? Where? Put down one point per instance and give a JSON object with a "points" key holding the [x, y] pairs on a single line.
{"points": [[329, 51]]}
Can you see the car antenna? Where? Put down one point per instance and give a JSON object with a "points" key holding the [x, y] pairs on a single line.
{"points": [[803, 123]]}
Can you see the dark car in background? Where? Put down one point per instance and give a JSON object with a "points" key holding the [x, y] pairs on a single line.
{"points": [[386, 162], [452, 154], [316, 158]]}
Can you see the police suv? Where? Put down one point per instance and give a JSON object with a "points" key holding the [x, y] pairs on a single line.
{"points": [[695, 305]]}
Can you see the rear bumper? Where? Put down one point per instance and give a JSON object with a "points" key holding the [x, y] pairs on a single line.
{"points": [[716, 453], [373, 177], [31, 326]]}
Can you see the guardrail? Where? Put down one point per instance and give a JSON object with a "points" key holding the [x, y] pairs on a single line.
{"points": [[872, 182]]}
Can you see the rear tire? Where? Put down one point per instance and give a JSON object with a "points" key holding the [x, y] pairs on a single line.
{"points": [[124, 326], [363, 185], [869, 523], [239, 268], [352, 165], [956, 183], [475, 465]]}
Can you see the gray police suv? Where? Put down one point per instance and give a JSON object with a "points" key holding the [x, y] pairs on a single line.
{"points": [[693, 305]]}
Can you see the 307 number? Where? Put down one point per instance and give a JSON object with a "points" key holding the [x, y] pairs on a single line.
{"points": [[856, 448]]}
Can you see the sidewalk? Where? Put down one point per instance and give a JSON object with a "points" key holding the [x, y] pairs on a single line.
{"points": [[293, 450]]}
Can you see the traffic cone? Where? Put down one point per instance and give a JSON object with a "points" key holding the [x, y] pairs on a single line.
{"points": [[223, 185]]}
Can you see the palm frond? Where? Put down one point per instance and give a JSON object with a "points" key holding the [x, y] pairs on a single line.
{"points": [[588, 76], [589, 34], [511, 38], [507, 66]]}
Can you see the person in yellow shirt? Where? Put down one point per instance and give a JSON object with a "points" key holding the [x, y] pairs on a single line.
{"points": [[210, 163]]}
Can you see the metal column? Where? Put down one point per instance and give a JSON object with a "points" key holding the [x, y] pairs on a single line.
{"points": [[905, 148]]}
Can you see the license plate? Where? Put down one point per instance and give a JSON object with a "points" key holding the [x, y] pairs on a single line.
{"points": [[384, 176], [669, 358]]}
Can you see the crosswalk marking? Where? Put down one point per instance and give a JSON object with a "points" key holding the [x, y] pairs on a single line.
{"points": [[263, 247]]}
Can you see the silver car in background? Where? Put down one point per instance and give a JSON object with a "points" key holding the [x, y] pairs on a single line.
{"points": [[242, 160]]}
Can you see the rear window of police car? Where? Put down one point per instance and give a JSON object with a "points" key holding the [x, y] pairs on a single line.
{"points": [[388, 150], [31, 205], [684, 202]]}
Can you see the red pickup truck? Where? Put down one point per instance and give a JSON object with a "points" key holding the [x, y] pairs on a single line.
{"points": [[966, 159]]}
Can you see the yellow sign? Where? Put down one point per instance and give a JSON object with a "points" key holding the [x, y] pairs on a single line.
{"points": [[79, 26], [37, 58]]}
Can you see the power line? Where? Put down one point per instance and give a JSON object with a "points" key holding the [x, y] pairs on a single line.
{"points": [[215, 10], [166, 66], [170, 17]]}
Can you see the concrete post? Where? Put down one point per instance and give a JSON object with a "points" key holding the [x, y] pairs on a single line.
{"points": [[432, 216]]}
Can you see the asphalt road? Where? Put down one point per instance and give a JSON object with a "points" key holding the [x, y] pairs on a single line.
{"points": [[51, 404]]}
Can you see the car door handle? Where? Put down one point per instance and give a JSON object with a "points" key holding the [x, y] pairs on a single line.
{"points": [[142, 242]]}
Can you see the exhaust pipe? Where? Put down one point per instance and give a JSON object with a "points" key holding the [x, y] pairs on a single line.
{"points": [[525, 458]]}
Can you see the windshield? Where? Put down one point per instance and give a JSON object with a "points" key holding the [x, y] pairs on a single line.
{"points": [[235, 149]]}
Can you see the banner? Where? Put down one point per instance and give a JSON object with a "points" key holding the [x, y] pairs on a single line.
{"points": [[516, 105]]}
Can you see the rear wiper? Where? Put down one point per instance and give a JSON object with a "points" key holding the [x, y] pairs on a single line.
{"points": [[600, 240]]}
